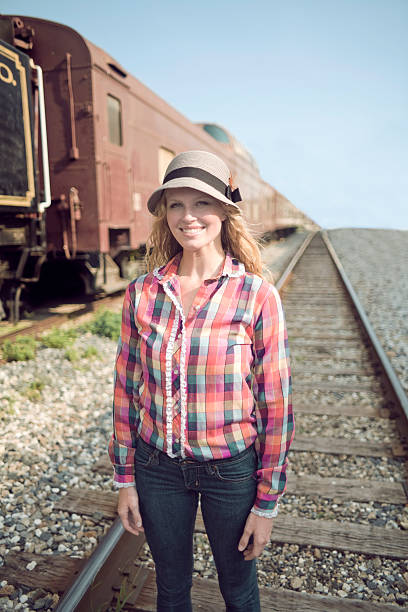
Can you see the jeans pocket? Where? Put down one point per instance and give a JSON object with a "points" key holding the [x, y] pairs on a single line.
{"points": [[239, 470], [145, 454]]}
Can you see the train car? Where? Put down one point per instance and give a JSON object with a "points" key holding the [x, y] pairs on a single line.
{"points": [[22, 229], [110, 139]]}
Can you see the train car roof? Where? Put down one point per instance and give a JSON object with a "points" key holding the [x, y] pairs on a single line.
{"points": [[221, 134], [101, 60], [110, 66]]}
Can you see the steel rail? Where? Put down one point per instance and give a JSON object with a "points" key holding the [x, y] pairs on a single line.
{"points": [[284, 277], [83, 582], [55, 320], [389, 371]]}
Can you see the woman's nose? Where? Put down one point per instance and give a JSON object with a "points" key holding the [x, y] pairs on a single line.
{"points": [[189, 213]]}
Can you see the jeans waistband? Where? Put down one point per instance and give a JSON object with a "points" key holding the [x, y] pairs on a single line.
{"points": [[191, 460]]}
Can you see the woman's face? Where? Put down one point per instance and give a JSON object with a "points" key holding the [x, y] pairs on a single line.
{"points": [[194, 218]]}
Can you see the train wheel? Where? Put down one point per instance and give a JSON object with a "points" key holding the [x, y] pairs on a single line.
{"points": [[130, 268], [12, 302], [15, 303]]}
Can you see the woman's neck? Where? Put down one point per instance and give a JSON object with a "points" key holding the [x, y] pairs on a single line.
{"points": [[199, 265]]}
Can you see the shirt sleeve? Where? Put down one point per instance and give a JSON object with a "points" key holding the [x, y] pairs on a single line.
{"points": [[127, 377], [272, 389]]}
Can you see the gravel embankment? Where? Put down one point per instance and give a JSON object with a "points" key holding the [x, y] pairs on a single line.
{"points": [[277, 254], [54, 431], [51, 438], [376, 262]]}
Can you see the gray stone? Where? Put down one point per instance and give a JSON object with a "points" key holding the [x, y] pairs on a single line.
{"points": [[401, 584]]}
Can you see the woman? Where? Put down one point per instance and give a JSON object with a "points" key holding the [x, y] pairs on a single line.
{"points": [[202, 389]]}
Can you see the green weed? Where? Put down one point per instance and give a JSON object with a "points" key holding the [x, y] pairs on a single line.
{"points": [[91, 353], [123, 596], [7, 409], [34, 390], [59, 338], [21, 349], [72, 354], [106, 323]]}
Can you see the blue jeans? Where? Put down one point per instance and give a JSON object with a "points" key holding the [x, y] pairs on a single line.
{"points": [[168, 491]]}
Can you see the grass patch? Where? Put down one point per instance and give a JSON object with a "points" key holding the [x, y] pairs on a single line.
{"points": [[91, 353], [59, 338], [21, 349], [34, 390], [72, 354], [123, 596], [105, 323], [7, 410]]}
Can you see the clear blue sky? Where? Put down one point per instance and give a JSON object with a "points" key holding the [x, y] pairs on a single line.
{"points": [[317, 90]]}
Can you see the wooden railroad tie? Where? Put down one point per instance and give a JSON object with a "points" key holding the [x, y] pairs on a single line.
{"points": [[318, 444], [336, 386], [365, 539], [141, 585], [358, 410], [205, 596]]}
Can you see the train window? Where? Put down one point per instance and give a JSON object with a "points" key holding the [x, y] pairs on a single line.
{"points": [[119, 237], [115, 120], [216, 132], [117, 69], [165, 157]]}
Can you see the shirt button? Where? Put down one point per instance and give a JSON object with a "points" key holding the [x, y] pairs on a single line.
{"points": [[176, 371]]}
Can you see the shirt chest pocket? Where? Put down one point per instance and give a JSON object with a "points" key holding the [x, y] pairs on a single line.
{"points": [[237, 337], [238, 353]]}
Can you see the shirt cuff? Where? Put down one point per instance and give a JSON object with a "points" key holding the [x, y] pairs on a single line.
{"points": [[266, 513], [124, 485]]}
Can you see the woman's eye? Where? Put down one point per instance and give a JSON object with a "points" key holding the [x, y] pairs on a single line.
{"points": [[202, 203], [174, 204]]}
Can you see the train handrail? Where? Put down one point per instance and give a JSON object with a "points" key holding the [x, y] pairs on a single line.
{"points": [[382, 357], [44, 144]]}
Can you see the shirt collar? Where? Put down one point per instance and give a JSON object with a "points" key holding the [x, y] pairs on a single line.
{"points": [[232, 268]]}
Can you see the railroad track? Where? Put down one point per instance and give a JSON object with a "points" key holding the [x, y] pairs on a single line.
{"points": [[351, 416], [60, 314]]}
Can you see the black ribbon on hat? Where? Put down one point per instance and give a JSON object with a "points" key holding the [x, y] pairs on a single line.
{"points": [[233, 195], [205, 177]]}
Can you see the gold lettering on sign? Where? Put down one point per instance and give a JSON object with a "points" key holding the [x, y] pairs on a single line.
{"points": [[6, 74]]}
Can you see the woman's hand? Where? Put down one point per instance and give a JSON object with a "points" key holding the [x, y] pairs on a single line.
{"points": [[260, 529], [128, 510]]}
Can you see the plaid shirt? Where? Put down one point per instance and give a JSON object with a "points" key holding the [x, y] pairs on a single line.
{"points": [[208, 385]]}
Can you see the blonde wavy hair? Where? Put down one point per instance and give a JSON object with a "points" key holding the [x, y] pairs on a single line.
{"points": [[236, 239]]}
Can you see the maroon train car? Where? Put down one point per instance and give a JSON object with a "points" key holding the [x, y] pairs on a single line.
{"points": [[110, 139]]}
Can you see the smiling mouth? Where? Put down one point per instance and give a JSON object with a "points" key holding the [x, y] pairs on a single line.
{"points": [[192, 231]]}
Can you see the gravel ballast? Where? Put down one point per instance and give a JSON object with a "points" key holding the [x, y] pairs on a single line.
{"points": [[376, 263], [52, 438]]}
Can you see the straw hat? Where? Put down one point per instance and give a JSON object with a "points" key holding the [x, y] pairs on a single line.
{"points": [[199, 170]]}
